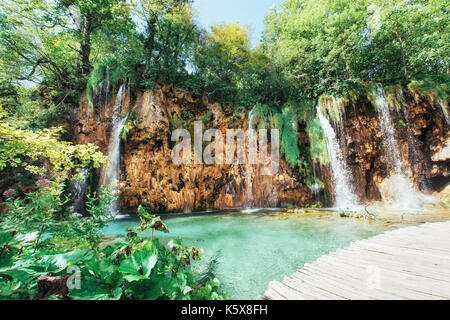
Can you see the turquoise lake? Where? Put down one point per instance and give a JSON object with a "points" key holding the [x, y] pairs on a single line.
{"points": [[251, 250]]}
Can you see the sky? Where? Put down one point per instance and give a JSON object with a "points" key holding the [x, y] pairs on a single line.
{"points": [[246, 12]]}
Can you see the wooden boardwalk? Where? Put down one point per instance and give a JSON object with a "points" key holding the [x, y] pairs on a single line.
{"points": [[410, 263]]}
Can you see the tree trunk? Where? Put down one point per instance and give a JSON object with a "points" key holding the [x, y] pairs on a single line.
{"points": [[149, 45], [399, 39], [85, 47]]}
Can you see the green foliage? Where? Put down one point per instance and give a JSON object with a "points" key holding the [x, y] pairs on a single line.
{"points": [[177, 122], [361, 214], [210, 291], [287, 123], [100, 201], [438, 89], [326, 46], [289, 137], [334, 106], [149, 221], [235, 74], [186, 115], [309, 48], [19, 146], [261, 116], [207, 118], [132, 122], [168, 39], [401, 124], [39, 237], [318, 148], [221, 57]]}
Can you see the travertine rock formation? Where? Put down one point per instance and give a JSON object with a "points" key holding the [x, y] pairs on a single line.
{"points": [[150, 178]]}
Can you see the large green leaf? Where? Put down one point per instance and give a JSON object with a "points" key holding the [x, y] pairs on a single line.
{"points": [[91, 289], [148, 267], [129, 266], [138, 266], [63, 260]]}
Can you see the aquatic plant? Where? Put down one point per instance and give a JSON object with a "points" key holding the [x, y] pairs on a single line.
{"points": [[365, 213]]}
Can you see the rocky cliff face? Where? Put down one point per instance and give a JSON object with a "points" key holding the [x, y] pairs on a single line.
{"points": [[148, 175], [421, 131]]}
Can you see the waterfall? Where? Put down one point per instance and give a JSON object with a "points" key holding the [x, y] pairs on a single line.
{"points": [[398, 188], [444, 110], [315, 186], [345, 197], [79, 192], [249, 165], [387, 128], [112, 171]]}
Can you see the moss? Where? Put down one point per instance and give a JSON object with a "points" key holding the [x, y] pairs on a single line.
{"points": [[265, 117], [335, 107], [261, 116], [318, 149], [186, 115], [131, 123], [394, 96], [431, 87], [114, 70], [289, 137], [97, 75], [207, 118], [286, 123]]}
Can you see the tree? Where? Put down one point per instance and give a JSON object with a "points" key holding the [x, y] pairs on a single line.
{"points": [[86, 18], [415, 34], [168, 37], [221, 59], [53, 40]]}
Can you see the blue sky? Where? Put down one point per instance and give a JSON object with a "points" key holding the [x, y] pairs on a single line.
{"points": [[246, 12]]}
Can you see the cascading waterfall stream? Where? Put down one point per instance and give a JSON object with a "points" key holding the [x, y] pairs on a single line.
{"points": [[399, 190], [249, 167], [112, 171], [79, 191], [387, 128], [345, 196], [315, 186], [444, 110]]}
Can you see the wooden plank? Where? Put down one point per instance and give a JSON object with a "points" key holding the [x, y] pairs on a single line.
{"points": [[414, 263], [341, 288], [358, 280], [379, 260], [420, 287], [286, 292], [312, 287]]}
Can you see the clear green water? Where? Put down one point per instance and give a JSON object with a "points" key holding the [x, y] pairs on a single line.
{"points": [[254, 249]]}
